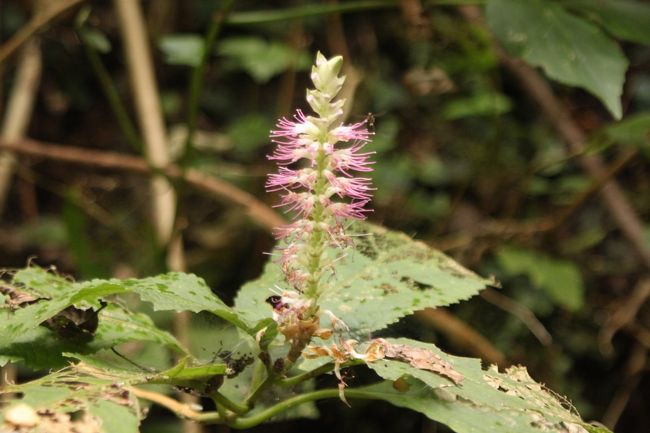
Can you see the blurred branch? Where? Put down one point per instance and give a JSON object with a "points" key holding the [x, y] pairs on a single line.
{"points": [[258, 211], [624, 315], [147, 104], [521, 312], [633, 373], [558, 116], [38, 21], [180, 409], [17, 117], [19, 110], [461, 335]]}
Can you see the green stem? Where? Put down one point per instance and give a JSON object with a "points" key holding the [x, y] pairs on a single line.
{"points": [[112, 95], [299, 378], [224, 401], [285, 14], [198, 72], [253, 420], [253, 396]]}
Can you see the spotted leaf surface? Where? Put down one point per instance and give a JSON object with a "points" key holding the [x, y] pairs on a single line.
{"points": [[485, 400], [384, 276]]}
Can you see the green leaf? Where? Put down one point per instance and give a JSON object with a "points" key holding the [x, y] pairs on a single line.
{"points": [[100, 405], [173, 291], [485, 400], [569, 49], [634, 131], [482, 104], [385, 276], [41, 348], [95, 39], [262, 60], [628, 20], [560, 279], [63, 294], [178, 49]]}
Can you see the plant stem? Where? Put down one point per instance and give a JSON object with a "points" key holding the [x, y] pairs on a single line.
{"points": [[113, 97], [299, 378], [253, 420], [224, 401], [197, 76]]}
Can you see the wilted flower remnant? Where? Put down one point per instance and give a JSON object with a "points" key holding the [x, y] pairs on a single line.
{"points": [[318, 158]]}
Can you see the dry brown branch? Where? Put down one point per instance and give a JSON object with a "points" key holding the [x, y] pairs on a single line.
{"points": [[461, 335], [54, 9], [257, 210], [559, 117]]}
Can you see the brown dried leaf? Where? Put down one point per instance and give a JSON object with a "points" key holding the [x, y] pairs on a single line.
{"points": [[422, 359], [17, 298]]}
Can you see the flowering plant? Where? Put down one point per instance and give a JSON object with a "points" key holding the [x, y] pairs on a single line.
{"points": [[334, 280]]}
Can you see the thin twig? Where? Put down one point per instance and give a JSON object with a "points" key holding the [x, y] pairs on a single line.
{"points": [[633, 374], [19, 110], [37, 22], [623, 315], [462, 335], [521, 312], [175, 406], [257, 210], [197, 76]]}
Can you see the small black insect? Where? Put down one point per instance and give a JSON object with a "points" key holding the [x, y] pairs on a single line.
{"points": [[370, 121], [276, 302]]}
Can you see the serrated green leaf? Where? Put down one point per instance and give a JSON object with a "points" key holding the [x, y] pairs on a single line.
{"points": [[628, 20], [486, 400], [173, 291], [568, 48], [385, 276], [41, 348], [98, 402], [560, 279]]}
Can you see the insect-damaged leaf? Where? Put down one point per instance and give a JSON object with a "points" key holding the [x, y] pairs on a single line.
{"points": [[422, 359], [73, 400], [54, 294], [483, 401], [384, 276]]}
